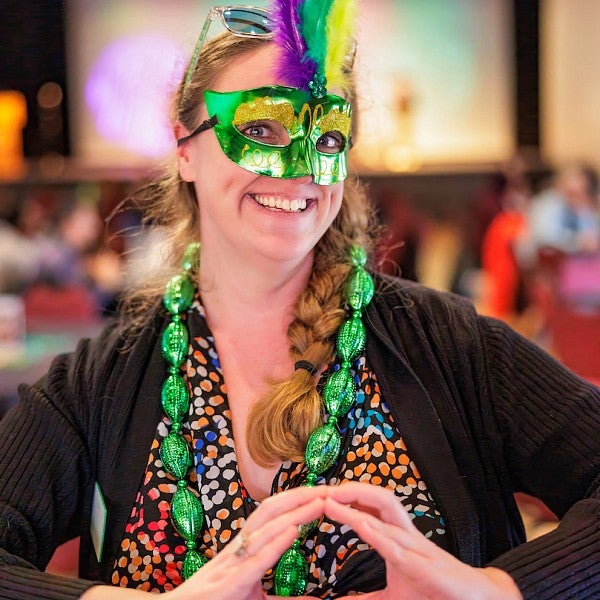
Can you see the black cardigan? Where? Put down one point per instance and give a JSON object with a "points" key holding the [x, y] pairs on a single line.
{"points": [[483, 412]]}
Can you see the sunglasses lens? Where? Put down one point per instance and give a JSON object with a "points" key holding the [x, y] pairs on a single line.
{"points": [[248, 21]]}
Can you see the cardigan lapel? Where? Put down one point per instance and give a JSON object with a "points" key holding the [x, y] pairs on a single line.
{"points": [[421, 428], [142, 409], [414, 413]]}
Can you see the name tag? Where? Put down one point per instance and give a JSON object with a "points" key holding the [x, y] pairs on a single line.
{"points": [[98, 524]]}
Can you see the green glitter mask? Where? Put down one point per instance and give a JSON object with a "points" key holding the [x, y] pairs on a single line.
{"points": [[283, 132]]}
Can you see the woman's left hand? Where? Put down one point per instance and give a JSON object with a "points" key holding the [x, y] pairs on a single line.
{"points": [[417, 569]]}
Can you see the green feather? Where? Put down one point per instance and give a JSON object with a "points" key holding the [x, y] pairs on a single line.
{"points": [[314, 14]]}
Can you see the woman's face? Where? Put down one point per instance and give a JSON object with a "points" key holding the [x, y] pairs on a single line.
{"points": [[243, 215]]}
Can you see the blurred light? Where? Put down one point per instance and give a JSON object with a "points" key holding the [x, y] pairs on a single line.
{"points": [[50, 95], [128, 93], [13, 117]]}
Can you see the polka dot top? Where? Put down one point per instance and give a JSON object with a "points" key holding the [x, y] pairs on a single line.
{"points": [[151, 553]]}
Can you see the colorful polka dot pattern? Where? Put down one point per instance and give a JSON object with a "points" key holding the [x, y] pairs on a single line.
{"points": [[151, 552]]}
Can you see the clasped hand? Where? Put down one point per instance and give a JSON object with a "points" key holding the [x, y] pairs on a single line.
{"points": [[417, 569]]}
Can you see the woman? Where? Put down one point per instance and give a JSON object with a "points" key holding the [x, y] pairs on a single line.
{"points": [[283, 304]]}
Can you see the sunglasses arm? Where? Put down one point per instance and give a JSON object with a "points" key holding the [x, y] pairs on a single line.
{"points": [[194, 60]]}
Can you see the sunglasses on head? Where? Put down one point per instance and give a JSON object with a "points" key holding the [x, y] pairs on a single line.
{"points": [[245, 21]]}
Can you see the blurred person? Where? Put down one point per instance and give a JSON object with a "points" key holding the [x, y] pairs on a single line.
{"points": [[501, 188], [73, 254], [19, 260], [269, 416], [565, 217], [75, 232], [505, 189], [502, 288], [20, 255], [398, 247]]}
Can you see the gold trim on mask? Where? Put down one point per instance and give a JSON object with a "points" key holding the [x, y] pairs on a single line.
{"points": [[335, 120], [264, 108]]}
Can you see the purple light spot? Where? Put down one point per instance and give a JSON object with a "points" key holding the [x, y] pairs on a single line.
{"points": [[128, 92]]}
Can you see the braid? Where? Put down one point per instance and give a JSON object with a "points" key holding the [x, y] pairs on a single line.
{"points": [[280, 422]]}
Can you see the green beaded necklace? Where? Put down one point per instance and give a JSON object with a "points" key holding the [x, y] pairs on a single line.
{"points": [[323, 446]]}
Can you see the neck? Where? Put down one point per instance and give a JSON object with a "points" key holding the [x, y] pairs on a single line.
{"points": [[263, 288]]}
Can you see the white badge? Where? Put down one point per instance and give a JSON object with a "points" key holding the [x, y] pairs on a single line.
{"points": [[98, 524]]}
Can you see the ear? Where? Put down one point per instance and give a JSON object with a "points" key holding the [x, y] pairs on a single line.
{"points": [[183, 153]]}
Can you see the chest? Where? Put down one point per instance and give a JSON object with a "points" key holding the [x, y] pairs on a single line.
{"points": [[373, 451], [245, 365], [256, 479]]}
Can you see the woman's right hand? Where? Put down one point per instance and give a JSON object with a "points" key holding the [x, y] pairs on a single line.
{"points": [[236, 572]]}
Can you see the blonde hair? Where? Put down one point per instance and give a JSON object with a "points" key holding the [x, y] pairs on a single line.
{"points": [[280, 422]]}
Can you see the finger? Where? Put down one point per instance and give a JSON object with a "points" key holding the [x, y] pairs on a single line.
{"points": [[250, 542], [412, 540], [390, 549], [301, 597], [267, 554], [300, 515], [284, 502], [256, 537], [434, 574], [265, 545], [373, 499]]}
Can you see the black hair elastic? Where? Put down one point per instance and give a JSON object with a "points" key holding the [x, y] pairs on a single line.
{"points": [[307, 366]]}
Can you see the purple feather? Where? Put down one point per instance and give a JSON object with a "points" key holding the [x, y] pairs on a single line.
{"points": [[295, 68]]}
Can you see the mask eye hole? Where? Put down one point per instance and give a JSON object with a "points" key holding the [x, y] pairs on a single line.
{"points": [[331, 142], [265, 131]]}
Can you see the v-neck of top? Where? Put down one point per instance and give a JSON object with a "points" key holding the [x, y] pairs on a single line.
{"points": [[151, 552]]}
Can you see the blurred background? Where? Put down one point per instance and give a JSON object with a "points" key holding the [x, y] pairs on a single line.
{"points": [[479, 137]]}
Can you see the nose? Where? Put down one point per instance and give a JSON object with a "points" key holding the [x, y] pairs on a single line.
{"points": [[301, 166], [305, 179]]}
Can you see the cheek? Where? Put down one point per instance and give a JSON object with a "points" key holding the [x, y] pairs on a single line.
{"points": [[337, 195]]}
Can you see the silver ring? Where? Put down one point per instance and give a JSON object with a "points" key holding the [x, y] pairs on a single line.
{"points": [[242, 547]]}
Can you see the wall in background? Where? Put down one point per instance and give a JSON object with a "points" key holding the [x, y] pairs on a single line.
{"points": [[436, 79], [570, 72]]}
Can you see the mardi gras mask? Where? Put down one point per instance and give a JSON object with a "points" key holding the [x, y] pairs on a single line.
{"points": [[281, 132]]}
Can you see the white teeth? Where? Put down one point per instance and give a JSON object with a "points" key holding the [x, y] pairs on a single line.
{"points": [[295, 205]]}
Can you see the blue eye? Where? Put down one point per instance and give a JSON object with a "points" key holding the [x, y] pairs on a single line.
{"points": [[331, 142]]}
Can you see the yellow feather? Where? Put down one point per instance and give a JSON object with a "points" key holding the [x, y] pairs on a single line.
{"points": [[341, 24]]}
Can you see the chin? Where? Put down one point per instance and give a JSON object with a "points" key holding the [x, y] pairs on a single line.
{"points": [[283, 251]]}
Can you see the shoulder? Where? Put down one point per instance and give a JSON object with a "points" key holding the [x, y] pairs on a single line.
{"points": [[423, 324], [547, 202], [96, 363], [400, 296]]}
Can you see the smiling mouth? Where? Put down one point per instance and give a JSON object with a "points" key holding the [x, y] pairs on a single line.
{"points": [[280, 204]]}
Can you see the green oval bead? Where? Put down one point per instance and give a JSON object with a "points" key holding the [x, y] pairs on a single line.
{"points": [[339, 392], [175, 398], [358, 256], [352, 338], [359, 289], [192, 562], [291, 573], [175, 455], [187, 513], [191, 257], [306, 528], [179, 294], [322, 448], [311, 479], [174, 343]]}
